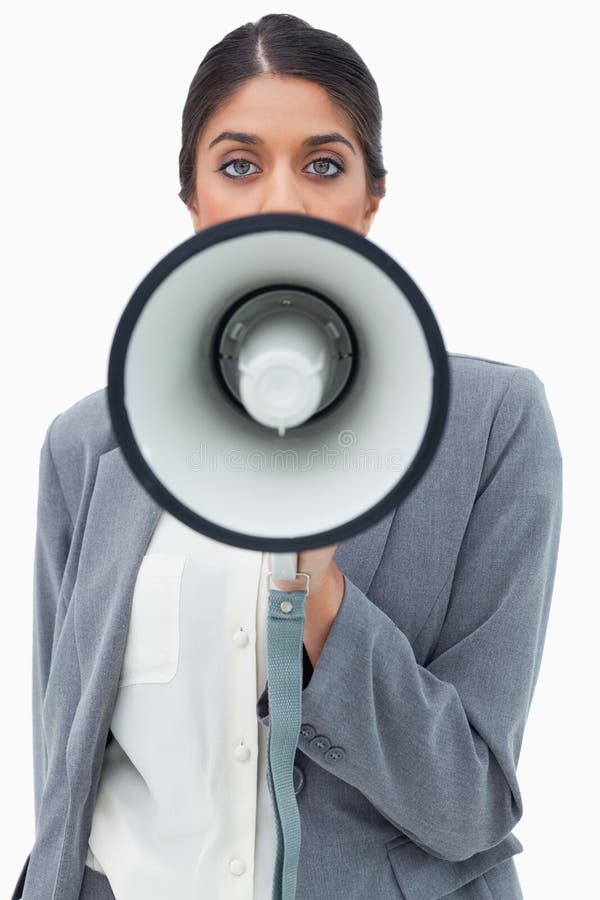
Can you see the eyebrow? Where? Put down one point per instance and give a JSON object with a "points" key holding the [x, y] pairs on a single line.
{"points": [[314, 141]]}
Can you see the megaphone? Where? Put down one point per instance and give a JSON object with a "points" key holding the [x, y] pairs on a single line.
{"points": [[279, 383]]}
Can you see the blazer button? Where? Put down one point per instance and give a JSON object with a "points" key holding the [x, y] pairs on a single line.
{"points": [[320, 742], [335, 754], [298, 779], [307, 731]]}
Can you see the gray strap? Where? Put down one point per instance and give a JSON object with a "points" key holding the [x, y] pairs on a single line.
{"points": [[285, 637]]}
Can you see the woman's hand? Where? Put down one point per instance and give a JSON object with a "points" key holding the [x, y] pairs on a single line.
{"points": [[325, 596]]}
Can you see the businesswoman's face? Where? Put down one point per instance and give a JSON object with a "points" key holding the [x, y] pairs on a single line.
{"points": [[280, 144]]}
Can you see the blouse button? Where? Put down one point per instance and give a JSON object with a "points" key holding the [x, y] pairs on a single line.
{"points": [[240, 638], [241, 752], [237, 867]]}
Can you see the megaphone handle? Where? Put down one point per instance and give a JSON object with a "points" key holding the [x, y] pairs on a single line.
{"points": [[285, 569], [284, 566]]}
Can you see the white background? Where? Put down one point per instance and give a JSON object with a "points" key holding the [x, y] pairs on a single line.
{"points": [[491, 142]]}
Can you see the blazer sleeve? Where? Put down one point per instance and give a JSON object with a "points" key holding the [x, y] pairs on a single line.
{"points": [[54, 531], [435, 748]]}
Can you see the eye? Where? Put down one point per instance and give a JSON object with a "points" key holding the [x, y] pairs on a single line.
{"points": [[239, 164], [322, 164]]}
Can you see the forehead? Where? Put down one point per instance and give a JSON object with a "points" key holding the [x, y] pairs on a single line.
{"points": [[279, 106]]}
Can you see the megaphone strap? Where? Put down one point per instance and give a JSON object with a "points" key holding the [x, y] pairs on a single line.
{"points": [[286, 615]]}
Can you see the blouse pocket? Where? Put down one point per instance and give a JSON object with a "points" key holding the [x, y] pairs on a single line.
{"points": [[152, 648]]}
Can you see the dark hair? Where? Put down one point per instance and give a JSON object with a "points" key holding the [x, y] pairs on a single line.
{"points": [[284, 45]]}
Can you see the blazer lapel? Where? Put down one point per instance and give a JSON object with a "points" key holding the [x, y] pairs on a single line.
{"points": [[358, 556]]}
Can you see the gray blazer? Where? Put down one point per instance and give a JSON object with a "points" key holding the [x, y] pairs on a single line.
{"points": [[423, 687]]}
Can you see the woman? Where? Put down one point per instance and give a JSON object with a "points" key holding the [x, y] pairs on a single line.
{"points": [[149, 750]]}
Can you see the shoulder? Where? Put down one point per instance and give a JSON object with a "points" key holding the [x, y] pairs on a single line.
{"points": [[474, 374], [506, 407], [77, 437], [85, 428], [495, 391]]}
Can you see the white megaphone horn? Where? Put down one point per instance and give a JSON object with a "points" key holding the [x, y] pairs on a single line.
{"points": [[278, 382]]}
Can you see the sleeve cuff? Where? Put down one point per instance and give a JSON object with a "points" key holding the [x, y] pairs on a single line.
{"points": [[353, 614]]}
